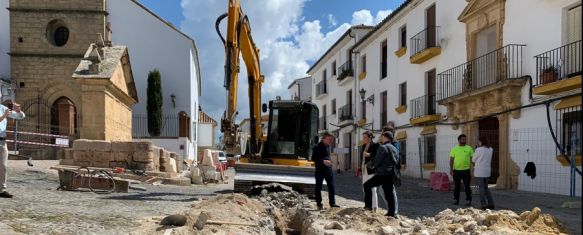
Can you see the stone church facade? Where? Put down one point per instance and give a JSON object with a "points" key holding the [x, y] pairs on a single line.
{"points": [[48, 41]]}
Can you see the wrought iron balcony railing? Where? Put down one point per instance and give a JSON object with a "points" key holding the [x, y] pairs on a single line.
{"points": [[345, 70], [501, 64], [321, 88], [425, 39], [423, 106], [345, 113], [558, 64]]}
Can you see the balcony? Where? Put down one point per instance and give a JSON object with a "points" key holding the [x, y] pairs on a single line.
{"points": [[322, 123], [423, 110], [558, 70], [345, 71], [321, 88], [345, 113], [494, 70], [425, 45]]}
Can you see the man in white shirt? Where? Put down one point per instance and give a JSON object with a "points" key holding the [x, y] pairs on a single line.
{"points": [[6, 112], [483, 162]]}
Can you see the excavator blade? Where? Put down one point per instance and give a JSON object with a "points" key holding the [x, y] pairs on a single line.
{"points": [[300, 178]]}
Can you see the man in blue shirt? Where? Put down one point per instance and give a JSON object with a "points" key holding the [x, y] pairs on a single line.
{"points": [[321, 158], [5, 113]]}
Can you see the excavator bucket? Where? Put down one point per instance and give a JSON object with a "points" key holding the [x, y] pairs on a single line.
{"points": [[300, 178]]}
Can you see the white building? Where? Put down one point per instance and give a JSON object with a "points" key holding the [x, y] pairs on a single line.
{"points": [[335, 94], [398, 90], [301, 89], [206, 132], [156, 44], [442, 68]]}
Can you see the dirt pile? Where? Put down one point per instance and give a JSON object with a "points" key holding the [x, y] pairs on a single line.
{"points": [[233, 208], [277, 209]]}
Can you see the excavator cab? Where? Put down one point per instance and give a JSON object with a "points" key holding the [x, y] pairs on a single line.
{"points": [[291, 134]]}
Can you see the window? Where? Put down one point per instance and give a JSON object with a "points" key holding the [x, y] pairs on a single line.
{"points": [[364, 63], [333, 105], [383, 108], [384, 59], [573, 24], [403, 94], [403, 37], [57, 33], [334, 68], [403, 152], [281, 140], [324, 75], [428, 149], [571, 130]]}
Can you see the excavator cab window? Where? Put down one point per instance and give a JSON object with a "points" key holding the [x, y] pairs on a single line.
{"points": [[292, 130], [282, 134]]}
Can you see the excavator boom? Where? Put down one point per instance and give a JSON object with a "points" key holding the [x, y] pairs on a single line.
{"points": [[283, 155]]}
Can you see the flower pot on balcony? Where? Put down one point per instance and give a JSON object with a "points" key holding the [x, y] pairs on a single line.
{"points": [[549, 75]]}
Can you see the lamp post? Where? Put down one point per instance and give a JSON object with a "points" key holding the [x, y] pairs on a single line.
{"points": [[363, 94]]}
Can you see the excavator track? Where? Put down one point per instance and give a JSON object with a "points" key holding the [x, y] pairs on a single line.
{"points": [[247, 175]]}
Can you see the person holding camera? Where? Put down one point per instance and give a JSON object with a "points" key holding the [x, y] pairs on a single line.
{"points": [[14, 112], [368, 153]]}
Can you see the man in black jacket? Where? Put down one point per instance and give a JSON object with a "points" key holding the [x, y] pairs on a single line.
{"points": [[384, 165], [321, 158]]}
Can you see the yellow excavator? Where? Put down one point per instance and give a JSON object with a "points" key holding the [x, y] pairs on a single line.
{"points": [[283, 155]]}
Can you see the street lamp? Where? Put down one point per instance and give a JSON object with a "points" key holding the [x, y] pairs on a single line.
{"points": [[363, 94]]}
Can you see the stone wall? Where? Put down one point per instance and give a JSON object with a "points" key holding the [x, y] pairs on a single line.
{"points": [[141, 155]]}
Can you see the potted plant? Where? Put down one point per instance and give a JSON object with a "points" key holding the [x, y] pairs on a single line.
{"points": [[549, 74]]}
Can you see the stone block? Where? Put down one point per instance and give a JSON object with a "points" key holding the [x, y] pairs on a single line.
{"points": [[143, 146], [82, 155], [145, 166], [93, 145], [69, 162], [169, 166], [67, 154], [122, 156], [102, 156], [143, 156], [125, 146]]}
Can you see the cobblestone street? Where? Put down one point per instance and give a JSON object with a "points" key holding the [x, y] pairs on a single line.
{"points": [[39, 208]]}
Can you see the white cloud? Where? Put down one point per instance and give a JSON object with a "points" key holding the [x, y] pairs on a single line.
{"points": [[381, 15], [286, 42], [331, 20], [362, 17]]}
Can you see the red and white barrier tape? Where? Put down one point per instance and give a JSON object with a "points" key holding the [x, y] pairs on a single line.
{"points": [[41, 144], [39, 134]]}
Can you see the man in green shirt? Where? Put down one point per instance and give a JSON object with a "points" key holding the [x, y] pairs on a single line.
{"points": [[460, 163]]}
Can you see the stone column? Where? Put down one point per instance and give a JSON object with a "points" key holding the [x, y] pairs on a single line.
{"points": [[509, 170]]}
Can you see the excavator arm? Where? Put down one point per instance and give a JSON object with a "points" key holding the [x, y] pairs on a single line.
{"points": [[240, 43]]}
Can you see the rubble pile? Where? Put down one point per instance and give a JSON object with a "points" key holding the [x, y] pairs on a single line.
{"points": [[277, 209]]}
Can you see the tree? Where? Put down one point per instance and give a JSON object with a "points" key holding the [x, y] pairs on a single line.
{"points": [[154, 103]]}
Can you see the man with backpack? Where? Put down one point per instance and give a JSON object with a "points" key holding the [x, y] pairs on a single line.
{"points": [[385, 164]]}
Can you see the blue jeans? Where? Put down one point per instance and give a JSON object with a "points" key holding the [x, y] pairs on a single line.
{"points": [[321, 175], [485, 196]]}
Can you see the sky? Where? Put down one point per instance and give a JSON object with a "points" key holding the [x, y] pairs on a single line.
{"points": [[291, 36]]}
